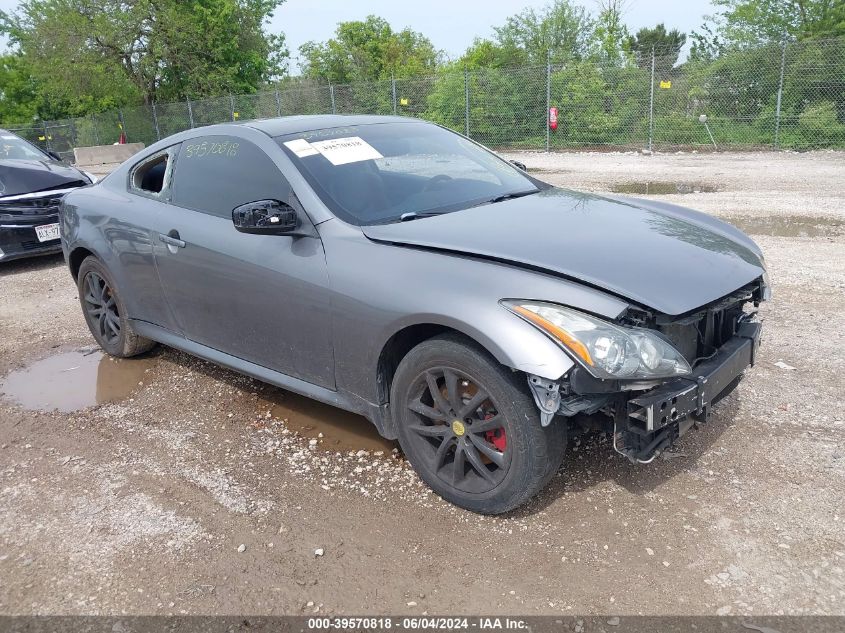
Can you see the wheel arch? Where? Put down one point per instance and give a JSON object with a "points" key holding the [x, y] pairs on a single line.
{"points": [[75, 259], [397, 347], [515, 344]]}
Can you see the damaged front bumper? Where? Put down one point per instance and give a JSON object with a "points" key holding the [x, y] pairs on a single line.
{"points": [[646, 424], [650, 422]]}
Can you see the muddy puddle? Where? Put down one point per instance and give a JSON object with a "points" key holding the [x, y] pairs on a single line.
{"points": [[342, 431], [70, 381], [789, 226], [663, 187]]}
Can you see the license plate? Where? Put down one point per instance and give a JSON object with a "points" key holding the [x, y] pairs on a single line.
{"points": [[47, 232]]}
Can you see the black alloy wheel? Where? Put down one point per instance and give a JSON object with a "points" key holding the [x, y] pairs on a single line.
{"points": [[101, 308], [105, 312], [470, 427], [459, 430]]}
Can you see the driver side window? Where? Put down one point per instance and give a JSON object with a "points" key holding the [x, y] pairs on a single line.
{"points": [[217, 173]]}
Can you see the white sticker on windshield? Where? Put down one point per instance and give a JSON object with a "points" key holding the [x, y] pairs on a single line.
{"points": [[301, 148], [351, 149]]}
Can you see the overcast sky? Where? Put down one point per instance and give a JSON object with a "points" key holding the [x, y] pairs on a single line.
{"points": [[450, 24]]}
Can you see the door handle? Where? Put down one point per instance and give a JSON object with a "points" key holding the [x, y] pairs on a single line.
{"points": [[172, 239]]}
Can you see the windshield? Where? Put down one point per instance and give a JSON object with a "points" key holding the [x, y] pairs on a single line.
{"points": [[384, 172], [12, 147]]}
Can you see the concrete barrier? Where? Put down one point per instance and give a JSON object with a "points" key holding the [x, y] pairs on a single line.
{"points": [[102, 159]]}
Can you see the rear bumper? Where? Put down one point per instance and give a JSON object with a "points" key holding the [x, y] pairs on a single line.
{"points": [[18, 239], [655, 419]]}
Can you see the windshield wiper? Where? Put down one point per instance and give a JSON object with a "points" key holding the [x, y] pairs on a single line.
{"points": [[507, 196], [414, 215]]}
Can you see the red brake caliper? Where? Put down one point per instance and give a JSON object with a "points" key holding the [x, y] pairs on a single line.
{"points": [[496, 437]]}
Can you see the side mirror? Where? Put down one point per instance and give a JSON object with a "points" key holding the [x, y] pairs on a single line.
{"points": [[54, 155], [519, 165], [265, 217]]}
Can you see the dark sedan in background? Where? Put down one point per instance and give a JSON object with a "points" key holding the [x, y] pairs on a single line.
{"points": [[401, 271], [32, 183]]}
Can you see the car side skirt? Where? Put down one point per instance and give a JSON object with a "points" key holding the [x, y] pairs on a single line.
{"points": [[374, 413]]}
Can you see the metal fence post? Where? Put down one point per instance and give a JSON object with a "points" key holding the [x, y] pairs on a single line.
{"points": [[278, 102], [466, 101], [232, 106], [651, 104], [548, 96], [780, 92], [393, 91], [46, 134], [190, 112], [331, 91], [122, 124], [96, 132], [155, 123], [74, 134]]}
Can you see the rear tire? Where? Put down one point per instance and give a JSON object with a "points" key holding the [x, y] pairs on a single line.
{"points": [[470, 427], [105, 312]]}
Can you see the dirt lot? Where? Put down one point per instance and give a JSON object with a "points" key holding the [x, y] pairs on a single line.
{"points": [[173, 486]]}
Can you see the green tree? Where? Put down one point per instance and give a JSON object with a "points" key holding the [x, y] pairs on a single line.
{"points": [[368, 50], [610, 32], [562, 28], [746, 22], [667, 45], [18, 91], [488, 54], [707, 44], [88, 55]]}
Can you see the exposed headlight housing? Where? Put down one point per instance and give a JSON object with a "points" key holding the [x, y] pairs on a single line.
{"points": [[767, 285], [605, 350]]}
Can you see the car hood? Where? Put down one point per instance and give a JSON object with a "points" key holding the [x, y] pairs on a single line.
{"points": [[26, 176], [665, 257]]}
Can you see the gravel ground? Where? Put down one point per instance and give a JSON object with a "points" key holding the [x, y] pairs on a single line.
{"points": [[190, 489]]}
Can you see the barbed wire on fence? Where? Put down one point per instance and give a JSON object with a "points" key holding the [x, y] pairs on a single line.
{"points": [[781, 95]]}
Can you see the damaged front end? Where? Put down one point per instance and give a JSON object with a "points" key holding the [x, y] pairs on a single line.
{"points": [[30, 194], [718, 342], [29, 223]]}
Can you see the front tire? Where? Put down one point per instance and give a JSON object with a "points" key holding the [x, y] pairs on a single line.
{"points": [[105, 312], [470, 428]]}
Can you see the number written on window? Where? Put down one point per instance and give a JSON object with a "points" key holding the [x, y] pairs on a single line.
{"points": [[227, 149], [216, 173]]}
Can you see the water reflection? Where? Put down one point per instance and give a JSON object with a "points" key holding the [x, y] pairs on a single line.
{"points": [[74, 380]]}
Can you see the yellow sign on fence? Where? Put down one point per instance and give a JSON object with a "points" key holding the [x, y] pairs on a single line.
{"points": [[403, 101], [665, 85]]}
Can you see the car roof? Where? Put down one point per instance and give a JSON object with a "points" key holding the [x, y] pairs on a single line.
{"points": [[279, 126], [308, 122]]}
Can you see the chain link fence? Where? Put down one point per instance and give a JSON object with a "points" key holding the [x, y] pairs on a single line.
{"points": [[787, 96]]}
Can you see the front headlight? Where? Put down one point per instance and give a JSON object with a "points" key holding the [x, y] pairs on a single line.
{"points": [[604, 349]]}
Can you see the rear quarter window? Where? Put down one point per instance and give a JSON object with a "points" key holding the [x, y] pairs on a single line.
{"points": [[150, 175]]}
